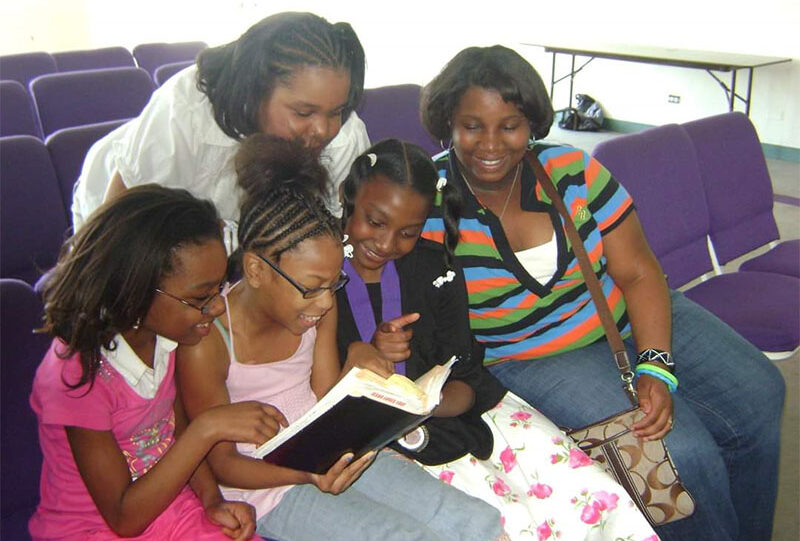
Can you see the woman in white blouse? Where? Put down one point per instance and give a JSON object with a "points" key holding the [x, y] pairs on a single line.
{"points": [[293, 75]]}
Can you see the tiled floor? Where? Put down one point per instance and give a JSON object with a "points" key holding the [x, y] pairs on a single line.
{"points": [[786, 185]]}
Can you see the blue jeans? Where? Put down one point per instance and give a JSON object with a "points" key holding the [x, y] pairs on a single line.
{"points": [[394, 499], [728, 407]]}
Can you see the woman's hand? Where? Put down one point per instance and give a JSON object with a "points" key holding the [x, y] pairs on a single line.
{"points": [[248, 422], [392, 340], [655, 400], [237, 519], [365, 355], [342, 474]]}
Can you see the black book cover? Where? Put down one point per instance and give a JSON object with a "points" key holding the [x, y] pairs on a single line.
{"points": [[355, 424]]}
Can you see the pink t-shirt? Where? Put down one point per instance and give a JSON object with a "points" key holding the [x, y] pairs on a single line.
{"points": [[143, 428], [285, 384]]}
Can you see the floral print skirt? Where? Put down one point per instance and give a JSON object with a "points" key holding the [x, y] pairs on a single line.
{"points": [[544, 486]]}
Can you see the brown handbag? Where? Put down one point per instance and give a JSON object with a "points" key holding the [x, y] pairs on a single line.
{"points": [[644, 468]]}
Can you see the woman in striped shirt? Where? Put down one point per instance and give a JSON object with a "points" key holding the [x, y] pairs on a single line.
{"points": [[530, 308]]}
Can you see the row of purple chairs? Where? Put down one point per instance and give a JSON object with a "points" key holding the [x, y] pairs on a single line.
{"points": [[36, 196], [41, 93], [702, 191], [25, 67], [76, 98], [59, 100]]}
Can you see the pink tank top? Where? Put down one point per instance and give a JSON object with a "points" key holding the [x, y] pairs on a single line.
{"points": [[285, 384]]}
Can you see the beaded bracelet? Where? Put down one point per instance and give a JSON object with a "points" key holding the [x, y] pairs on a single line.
{"points": [[658, 373]]}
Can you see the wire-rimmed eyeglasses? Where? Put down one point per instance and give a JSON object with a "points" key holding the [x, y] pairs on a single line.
{"points": [[306, 292], [204, 308]]}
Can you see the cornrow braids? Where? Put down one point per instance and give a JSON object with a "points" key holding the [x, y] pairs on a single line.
{"points": [[409, 165], [239, 76], [283, 203]]}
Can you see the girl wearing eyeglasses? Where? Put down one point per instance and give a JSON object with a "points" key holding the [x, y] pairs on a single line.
{"points": [[141, 277], [277, 344]]}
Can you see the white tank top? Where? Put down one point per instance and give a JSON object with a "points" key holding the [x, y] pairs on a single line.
{"points": [[541, 262], [285, 384]]}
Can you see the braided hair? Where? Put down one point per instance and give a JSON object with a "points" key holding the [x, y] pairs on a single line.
{"points": [[238, 76], [408, 165], [283, 204]]}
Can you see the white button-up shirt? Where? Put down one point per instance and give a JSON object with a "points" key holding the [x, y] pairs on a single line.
{"points": [[143, 379]]}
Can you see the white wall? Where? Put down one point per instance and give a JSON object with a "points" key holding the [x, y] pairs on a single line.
{"points": [[410, 41]]}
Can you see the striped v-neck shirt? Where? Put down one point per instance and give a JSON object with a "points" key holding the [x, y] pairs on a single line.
{"points": [[511, 314]]}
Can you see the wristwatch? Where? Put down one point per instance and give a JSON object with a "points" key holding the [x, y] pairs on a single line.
{"points": [[658, 356], [416, 440]]}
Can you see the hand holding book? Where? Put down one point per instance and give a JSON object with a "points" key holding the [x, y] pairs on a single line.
{"points": [[361, 413], [342, 474]]}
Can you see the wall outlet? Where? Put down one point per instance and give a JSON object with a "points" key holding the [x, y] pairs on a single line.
{"points": [[672, 98]]}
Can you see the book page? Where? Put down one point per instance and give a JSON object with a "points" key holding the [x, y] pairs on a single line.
{"points": [[432, 381]]}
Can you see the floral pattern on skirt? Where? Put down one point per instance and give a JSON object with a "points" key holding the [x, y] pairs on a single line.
{"points": [[544, 486]]}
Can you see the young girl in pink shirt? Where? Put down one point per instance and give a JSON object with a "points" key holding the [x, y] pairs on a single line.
{"points": [[142, 276]]}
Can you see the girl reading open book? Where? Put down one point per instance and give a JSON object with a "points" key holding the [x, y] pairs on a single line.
{"points": [[276, 344]]}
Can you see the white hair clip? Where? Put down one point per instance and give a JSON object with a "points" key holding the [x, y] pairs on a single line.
{"points": [[348, 248], [440, 184], [447, 277], [373, 159]]}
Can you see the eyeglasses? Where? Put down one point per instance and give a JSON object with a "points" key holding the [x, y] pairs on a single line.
{"points": [[204, 308], [309, 293]]}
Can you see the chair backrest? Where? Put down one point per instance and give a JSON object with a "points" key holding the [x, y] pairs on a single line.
{"points": [[106, 57], [166, 71], [152, 55], [68, 148], [32, 217], [77, 98], [393, 111], [737, 183], [17, 112], [20, 456], [659, 168], [26, 66]]}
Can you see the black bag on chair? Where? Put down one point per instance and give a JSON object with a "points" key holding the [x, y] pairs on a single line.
{"points": [[587, 116]]}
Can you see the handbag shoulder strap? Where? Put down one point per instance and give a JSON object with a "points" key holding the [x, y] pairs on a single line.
{"points": [[592, 283]]}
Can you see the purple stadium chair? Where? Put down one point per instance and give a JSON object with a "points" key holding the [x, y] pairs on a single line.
{"points": [[17, 113], [26, 66], [166, 71], [739, 192], [152, 55], [659, 168], [782, 259], [107, 57], [20, 457], [68, 148], [77, 98], [393, 111], [32, 217]]}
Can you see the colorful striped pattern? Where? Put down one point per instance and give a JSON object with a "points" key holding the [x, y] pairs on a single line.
{"points": [[513, 316]]}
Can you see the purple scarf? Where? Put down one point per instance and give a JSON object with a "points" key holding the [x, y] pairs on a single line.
{"points": [[361, 308]]}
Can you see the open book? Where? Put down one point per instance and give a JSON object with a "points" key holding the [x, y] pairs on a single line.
{"points": [[362, 412]]}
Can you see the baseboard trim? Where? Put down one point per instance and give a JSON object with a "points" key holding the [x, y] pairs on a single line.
{"points": [[775, 152]]}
